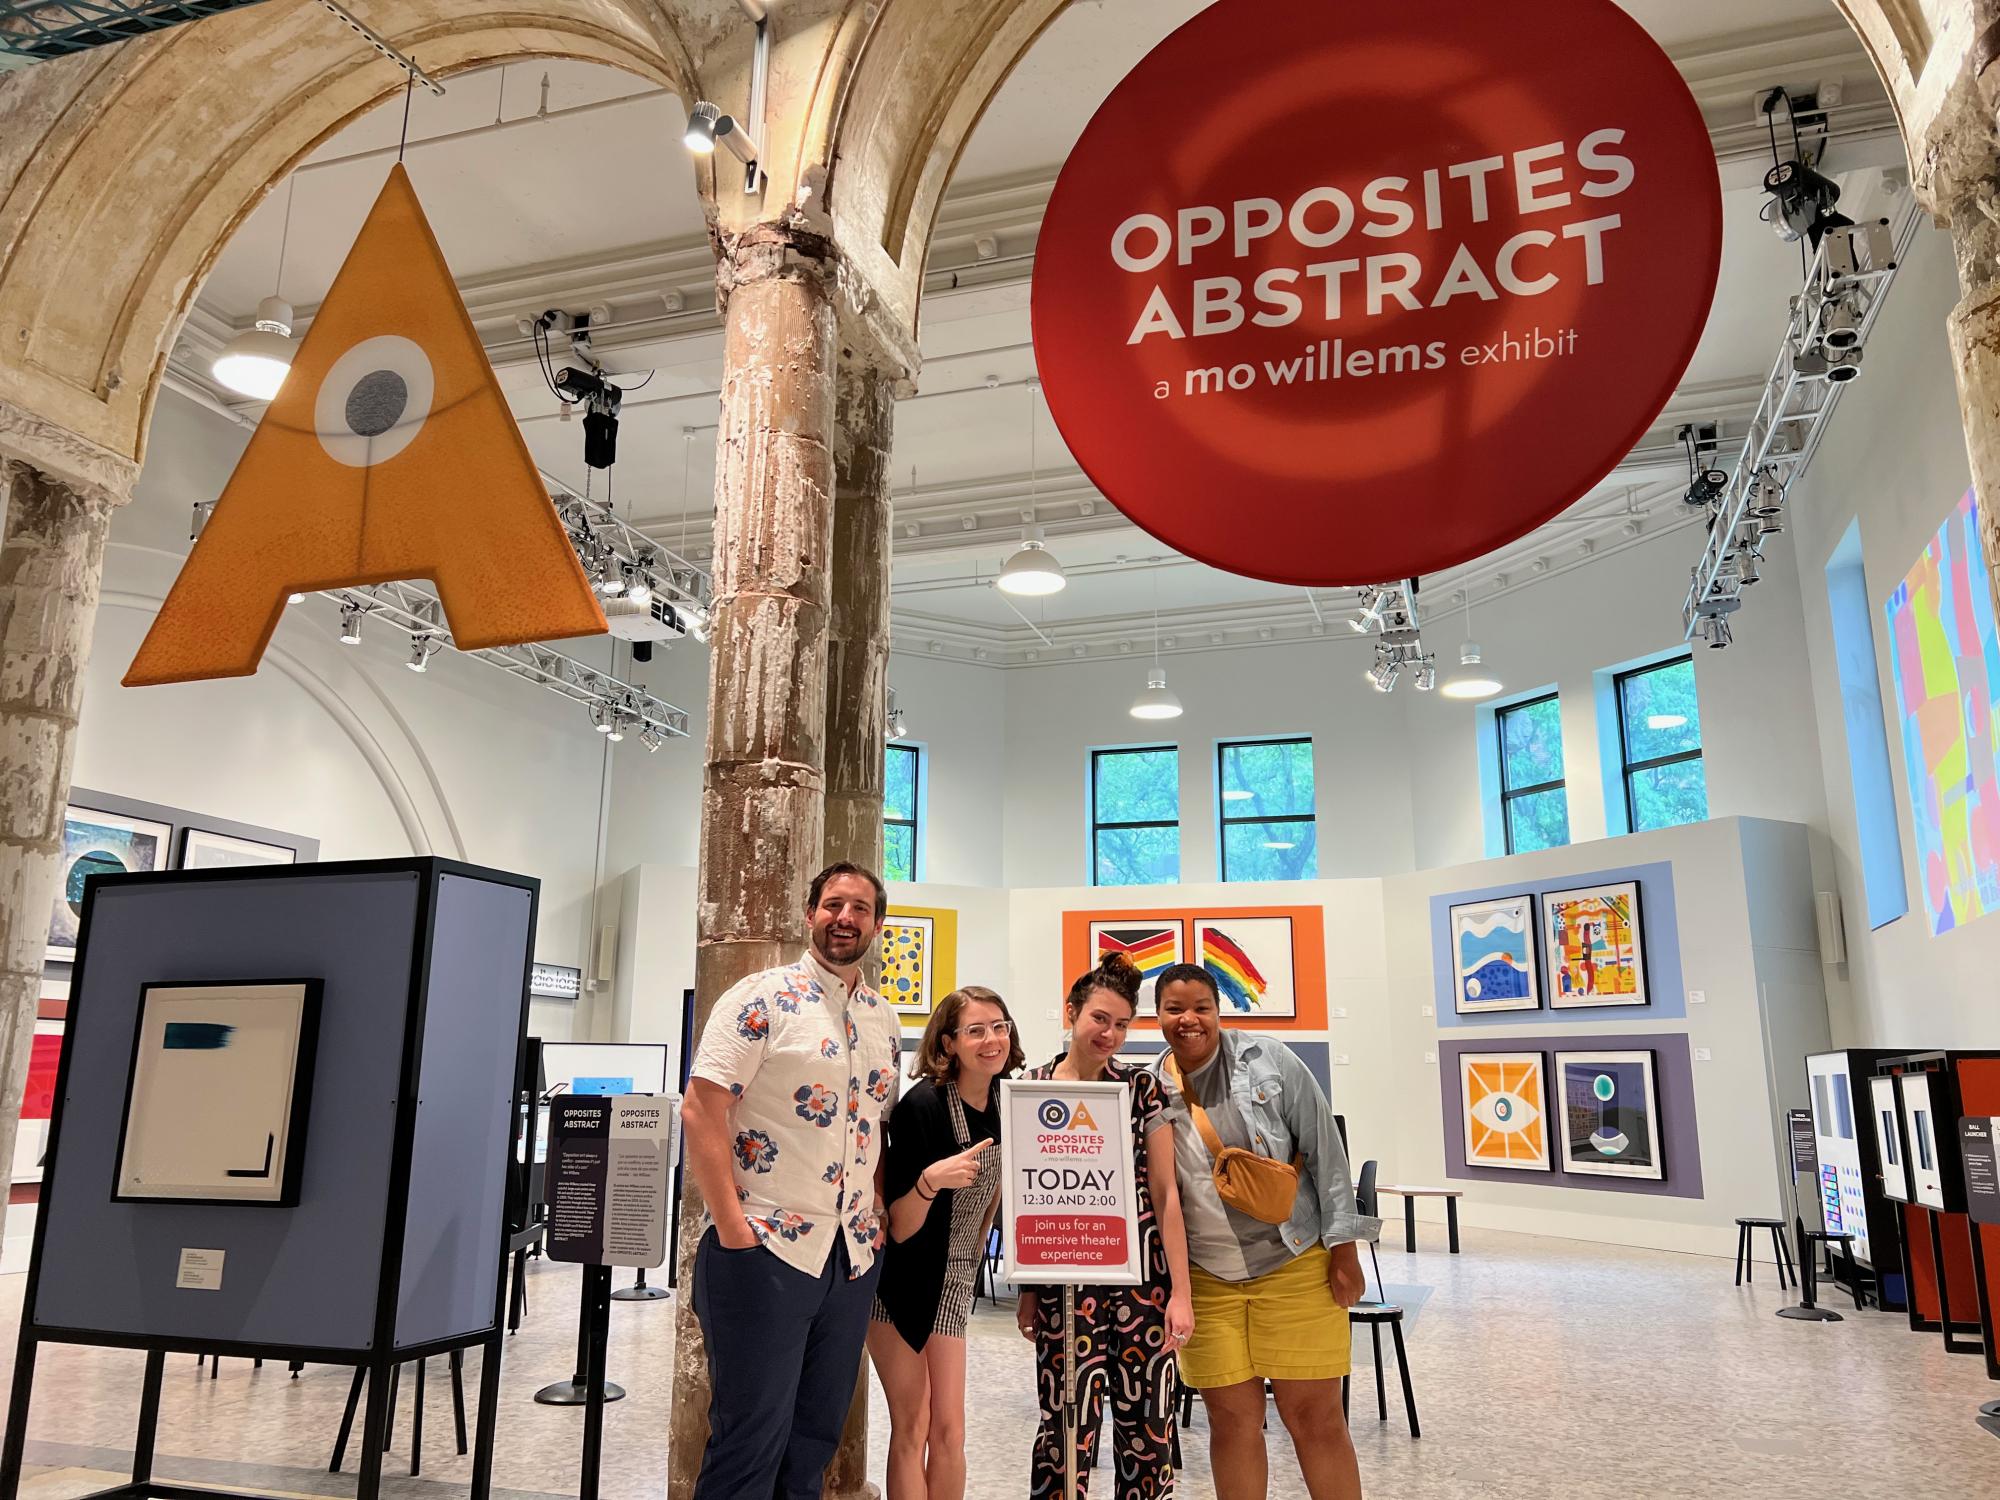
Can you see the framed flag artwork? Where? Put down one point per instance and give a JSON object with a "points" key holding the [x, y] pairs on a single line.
{"points": [[1504, 1101], [1493, 945], [1153, 948], [1592, 943]]}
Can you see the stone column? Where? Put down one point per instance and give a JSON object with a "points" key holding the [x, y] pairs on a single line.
{"points": [[51, 563], [763, 790], [1959, 182], [857, 687], [858, 640]]}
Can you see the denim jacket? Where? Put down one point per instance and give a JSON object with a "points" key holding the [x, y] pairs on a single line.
{"points": [[1288, 1116]]}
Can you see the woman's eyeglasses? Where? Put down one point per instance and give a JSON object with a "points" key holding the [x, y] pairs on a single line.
{"points": [[979, 1031]]}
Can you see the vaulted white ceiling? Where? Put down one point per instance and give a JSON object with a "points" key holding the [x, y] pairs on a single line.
{"points": [[559, 184]]}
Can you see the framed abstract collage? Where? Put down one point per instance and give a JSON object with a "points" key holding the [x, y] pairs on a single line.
{"points": [[1586, 950]]}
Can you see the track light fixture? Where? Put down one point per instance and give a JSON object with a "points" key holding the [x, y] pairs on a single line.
{"points": [[650, 740], [350, 624], [422, 649], [1706, 483], [708, 127]]}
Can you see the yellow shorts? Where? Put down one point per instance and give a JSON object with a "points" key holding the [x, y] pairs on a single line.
{"points": [[1284, 1325]]}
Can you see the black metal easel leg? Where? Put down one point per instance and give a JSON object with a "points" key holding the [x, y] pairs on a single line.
{"points": [[417, 1425], [374, 1429], [389, 1420], [517, 1297], [347, 1419], [149, 1416], [17, 1409], [489, 1417], [458, 1396], [597, 1295]]}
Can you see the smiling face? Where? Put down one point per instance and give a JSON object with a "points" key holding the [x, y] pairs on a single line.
{"points": [[1192, 1022], [982, 1041], [844, 922], [1098, 1024]]}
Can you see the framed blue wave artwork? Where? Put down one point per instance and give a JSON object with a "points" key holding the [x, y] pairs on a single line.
{"points": [[1493, 946]]}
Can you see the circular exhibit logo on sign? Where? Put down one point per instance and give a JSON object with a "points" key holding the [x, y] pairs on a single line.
{"points": [[1338, 294]]}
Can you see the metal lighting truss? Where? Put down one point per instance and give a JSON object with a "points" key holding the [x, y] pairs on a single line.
{"points": [[1390, 609], [605, 545], [34, 30], [416, 611], [608, 547], [1844, 290]]}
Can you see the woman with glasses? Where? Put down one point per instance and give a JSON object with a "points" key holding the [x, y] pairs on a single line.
{"points": [[941, 1180]]}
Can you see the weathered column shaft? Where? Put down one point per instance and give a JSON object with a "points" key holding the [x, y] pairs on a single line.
{"points": [[857, 679], [1961, 184], [857, 687], [51, 563], [763, 790]]}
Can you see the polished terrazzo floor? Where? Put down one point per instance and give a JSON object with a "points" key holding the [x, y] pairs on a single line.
{"points": [[1542, 1367]]}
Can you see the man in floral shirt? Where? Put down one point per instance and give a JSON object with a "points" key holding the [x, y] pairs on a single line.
{"points": [[783, 1125]]}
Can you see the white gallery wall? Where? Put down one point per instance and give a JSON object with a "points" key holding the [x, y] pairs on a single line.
{"points": [[1895, 461]]}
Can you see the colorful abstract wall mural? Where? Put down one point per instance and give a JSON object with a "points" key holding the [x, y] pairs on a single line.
{"points": [[1946, 656]]}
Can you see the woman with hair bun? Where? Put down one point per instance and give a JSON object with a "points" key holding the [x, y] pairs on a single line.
{"points": [[1129, 1334]]}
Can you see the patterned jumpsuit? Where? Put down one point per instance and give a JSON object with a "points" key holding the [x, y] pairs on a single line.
{"points": [[1123, 1332]]}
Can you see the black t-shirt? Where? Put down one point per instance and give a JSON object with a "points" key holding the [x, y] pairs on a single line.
{"points": [[913, 1270]]}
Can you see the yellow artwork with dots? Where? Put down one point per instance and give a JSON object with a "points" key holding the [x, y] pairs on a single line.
{"points": [[919, 959]]}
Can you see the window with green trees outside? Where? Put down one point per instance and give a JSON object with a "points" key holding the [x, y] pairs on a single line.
{"points": [[1268, 828], [1659, 726], [1135, 816], [1534, 796], [899, 812]]}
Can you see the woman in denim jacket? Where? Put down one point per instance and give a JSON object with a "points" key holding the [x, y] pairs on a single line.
{"points": [[1270, 1299]]}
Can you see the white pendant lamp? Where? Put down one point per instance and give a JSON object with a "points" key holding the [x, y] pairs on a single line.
{"points": [[1158, 701], [1472, 681], [1032, 572], [256, 362]]}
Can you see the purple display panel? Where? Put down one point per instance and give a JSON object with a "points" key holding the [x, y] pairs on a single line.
{"points": [[1673, 1077]]}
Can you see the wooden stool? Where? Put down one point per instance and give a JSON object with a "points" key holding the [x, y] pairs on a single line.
{"points": [[1829, 1238], [1375, 1314], [1746, 1259]]}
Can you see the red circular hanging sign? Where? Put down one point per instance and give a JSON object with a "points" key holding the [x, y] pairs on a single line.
{"points": [[1333, 294]]}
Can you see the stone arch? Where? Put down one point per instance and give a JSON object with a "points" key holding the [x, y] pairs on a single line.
{"points": [[898, 120], [126, 170]]}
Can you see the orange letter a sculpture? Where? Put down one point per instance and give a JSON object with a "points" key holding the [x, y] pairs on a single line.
{"points": [[388, 454]]}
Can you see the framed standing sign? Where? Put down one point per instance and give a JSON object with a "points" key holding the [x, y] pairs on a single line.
{"points": [[1067, 1195], [219, 1092]]}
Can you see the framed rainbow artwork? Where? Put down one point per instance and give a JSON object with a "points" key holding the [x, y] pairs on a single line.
{"points": [[1251, 960]]}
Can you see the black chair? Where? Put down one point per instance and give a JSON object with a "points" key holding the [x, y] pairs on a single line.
{"points": [[457, 1364], [1375, 1313], [1780, 1252], [1828, 1238]]}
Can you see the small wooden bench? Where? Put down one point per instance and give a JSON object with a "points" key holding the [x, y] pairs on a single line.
{"points": [[1410, 1195]]}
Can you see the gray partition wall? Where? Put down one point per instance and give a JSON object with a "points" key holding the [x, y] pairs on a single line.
{"points": [[424, 970]]}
